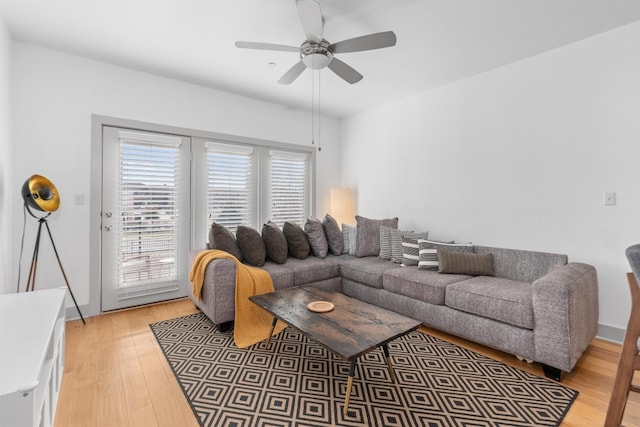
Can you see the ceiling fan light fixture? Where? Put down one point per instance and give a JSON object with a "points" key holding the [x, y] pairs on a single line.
{"points": [[316, 61], [316, 55]]}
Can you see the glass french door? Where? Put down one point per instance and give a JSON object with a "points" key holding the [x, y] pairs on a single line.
{"points": [[145, 217]]}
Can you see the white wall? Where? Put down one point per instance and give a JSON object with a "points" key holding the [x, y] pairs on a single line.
{"points": [[7, 189], [517, 157], [55, 95]]}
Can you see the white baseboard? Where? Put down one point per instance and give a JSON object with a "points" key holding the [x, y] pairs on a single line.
{"points": [[611, 333]]}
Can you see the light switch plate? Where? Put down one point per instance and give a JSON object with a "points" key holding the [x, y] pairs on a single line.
{"points": [[609, 199], [78, 199]]}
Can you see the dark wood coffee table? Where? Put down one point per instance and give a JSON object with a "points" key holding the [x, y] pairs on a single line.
{"points": [[350, 330]]}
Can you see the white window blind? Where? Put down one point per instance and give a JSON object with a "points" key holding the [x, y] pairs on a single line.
{"points": [[148, 205], [230, 175], [288, 186]]}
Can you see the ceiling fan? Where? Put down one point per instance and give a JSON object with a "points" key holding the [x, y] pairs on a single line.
{"points": [[316, 52]]}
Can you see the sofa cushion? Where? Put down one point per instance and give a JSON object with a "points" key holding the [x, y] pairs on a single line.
{"points": [[427, 286], [317, 238], [334, 235], [451, 262], [281, 275], [504, 300], [367, 270], [297, 242], [349, 234], [368, 234], [312, 270], [251, 245], [275, 242], [221, 238], [429, 252], [525, 266]]}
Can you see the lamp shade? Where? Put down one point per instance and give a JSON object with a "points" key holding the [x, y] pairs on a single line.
{"points": [[40, 193], [342, 205]]}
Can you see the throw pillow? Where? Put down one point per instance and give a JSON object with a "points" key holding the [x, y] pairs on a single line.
{"points": [[465, 263], [349, 234], [410, 251], [275, 242], [317, 239], [223, 239], [396, 242], [297, 242], [385, 242], [429, 252], [368, 234], [251, 245], [334, 235]]}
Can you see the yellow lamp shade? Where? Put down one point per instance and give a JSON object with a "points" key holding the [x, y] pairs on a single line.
{"points": [[40, 193], [343, 205]]}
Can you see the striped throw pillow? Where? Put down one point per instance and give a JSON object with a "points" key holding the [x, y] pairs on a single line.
{"points": [[349, 233], [396, 242], [410, 251], [428, 252], [385, 242]]}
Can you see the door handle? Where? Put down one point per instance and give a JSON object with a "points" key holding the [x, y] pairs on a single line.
{"points": [[108, 228]]}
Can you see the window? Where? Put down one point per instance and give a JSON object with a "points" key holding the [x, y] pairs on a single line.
{"points": [[230, 178], [249, 184], [287, 187], [148, 210]]}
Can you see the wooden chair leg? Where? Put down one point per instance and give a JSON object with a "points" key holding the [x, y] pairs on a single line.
{"points": [[629, 361], [621, 387]]}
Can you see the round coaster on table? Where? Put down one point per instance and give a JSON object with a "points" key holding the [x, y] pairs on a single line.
{"points": [[320, 306]]}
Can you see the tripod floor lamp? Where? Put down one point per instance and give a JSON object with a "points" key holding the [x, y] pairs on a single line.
{"points": [[41, 195]]}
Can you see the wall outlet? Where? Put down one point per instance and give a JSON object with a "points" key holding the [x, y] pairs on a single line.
{"points": [[609, 199]]}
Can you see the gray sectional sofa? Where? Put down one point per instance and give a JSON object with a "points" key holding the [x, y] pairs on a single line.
{"points": [[537, 305]]}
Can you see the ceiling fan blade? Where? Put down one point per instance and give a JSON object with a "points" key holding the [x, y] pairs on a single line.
{"points": [[345, 71], [292, 74], [311, 19], [266, 46], [368, 42]]}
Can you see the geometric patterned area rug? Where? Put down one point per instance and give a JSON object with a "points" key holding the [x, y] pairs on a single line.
{"points": [[297, 382]]}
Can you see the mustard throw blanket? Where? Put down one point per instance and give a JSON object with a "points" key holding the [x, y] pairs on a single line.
{"points": [[252, 323]]}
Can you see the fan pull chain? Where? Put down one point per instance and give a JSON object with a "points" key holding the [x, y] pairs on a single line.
{"points": [[313, 105], [319, 115], [315, 109]]}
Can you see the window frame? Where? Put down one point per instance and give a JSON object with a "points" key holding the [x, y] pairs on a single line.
{"points": [[261, 152], [212, 147], [271, 154]]}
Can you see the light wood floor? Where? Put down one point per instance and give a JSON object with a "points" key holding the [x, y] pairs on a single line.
{"points": [[116, 375]]}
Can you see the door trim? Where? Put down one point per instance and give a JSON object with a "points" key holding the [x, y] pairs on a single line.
{"points": [[130, 240]]}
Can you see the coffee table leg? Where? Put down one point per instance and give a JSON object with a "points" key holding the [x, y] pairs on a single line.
{"points": [[385, 349], [273, 326], [352, 371]]}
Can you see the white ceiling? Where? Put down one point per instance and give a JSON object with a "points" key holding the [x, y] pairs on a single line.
{"points": [[439, 41]]}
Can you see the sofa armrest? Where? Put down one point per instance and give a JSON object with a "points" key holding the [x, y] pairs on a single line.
{"points": [[565, 309], [218, 291]]}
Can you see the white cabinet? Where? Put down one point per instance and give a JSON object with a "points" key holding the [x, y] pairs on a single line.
{"points": [[32, 327]]}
